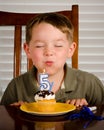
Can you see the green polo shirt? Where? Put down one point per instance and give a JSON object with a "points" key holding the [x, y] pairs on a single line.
{"points": [[77, 84]]}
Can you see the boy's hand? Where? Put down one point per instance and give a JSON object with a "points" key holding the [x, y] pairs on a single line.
{"points": [[17, 104], [78, 102]]}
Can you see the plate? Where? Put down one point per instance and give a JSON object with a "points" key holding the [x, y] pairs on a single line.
{"points": [[56, 109]]}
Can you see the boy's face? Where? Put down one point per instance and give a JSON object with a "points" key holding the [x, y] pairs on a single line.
{"points": [[49, 48]]}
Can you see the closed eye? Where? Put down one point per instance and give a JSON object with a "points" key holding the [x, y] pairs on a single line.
{"points": [[39, 46], [58, 46]]}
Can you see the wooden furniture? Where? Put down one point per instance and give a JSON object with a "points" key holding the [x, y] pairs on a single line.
{"points": [[20, 19], [11, 118]]}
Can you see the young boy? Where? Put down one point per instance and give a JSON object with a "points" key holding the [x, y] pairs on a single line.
{"points": [[49, 43]]}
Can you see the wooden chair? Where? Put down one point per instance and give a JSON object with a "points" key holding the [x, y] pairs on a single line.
{"points": [[20, 19]]}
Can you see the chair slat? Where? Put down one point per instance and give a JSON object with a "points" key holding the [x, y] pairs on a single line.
{"points": [[75, 22], [17, 50]]}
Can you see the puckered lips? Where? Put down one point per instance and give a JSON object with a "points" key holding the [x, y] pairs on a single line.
{"points": [[49, 63]]}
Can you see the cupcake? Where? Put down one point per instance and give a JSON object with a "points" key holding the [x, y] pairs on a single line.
{"points": [[45, 100]]}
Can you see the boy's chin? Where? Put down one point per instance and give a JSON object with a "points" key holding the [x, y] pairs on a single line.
{"points": [[50, 71]]}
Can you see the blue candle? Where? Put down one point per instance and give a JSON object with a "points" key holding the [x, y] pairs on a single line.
{"points": [[44, 82]]}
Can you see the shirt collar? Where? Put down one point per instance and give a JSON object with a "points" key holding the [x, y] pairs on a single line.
{"points": [[33, 73], [70, 80]]}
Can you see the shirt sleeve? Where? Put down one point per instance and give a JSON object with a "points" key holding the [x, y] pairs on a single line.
{"points": [[9, 95], [96, 91]]}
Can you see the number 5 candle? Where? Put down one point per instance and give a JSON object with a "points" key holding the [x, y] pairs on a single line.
{"points": [[44, 82]]}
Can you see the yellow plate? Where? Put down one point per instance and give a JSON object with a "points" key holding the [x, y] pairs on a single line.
{"points": [[58, 109]]}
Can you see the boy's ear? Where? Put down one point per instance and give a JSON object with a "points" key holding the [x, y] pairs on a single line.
{"points": [[27, 50], [72, 49]]}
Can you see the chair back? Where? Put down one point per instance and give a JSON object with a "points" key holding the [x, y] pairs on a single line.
{"points": [[20, 19]]}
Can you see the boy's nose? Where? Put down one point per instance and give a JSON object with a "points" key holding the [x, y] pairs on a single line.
{"points": [[48, 52]]}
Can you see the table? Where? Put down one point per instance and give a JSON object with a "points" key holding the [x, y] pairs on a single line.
{"points": [[12, 118]]}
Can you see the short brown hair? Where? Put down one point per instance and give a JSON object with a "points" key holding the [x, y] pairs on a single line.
{"points": [[57, 20]]}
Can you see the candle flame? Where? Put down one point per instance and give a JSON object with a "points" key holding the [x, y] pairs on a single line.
{"points": [[44, 71]]}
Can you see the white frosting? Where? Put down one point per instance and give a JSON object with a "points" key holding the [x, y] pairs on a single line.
{"points": [[46, 97]]}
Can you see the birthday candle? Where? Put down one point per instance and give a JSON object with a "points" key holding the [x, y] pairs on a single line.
{"points": [[44, 82]]}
